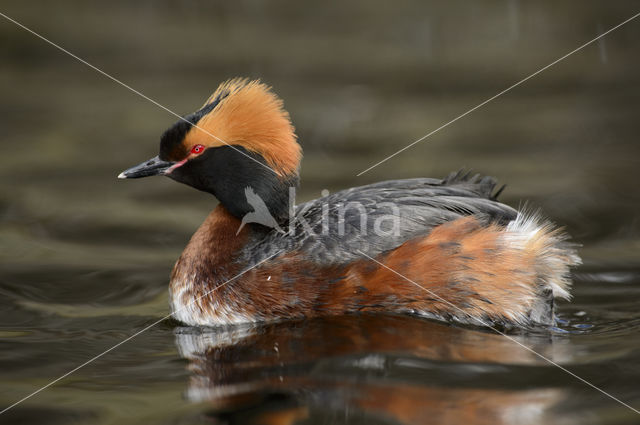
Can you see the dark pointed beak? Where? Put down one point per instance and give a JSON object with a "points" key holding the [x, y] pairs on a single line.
{"points": [[153, 167]]}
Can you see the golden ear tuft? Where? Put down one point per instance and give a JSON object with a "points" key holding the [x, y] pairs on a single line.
{"points": [[250, 115]]}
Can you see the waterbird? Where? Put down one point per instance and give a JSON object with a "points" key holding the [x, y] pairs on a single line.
{"points": [[440, 248]]}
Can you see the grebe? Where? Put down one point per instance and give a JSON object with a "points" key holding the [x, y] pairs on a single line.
{"points": [[364, 249]]}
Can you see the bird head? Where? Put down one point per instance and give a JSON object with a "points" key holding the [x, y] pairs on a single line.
{"points": [[241, 137]]}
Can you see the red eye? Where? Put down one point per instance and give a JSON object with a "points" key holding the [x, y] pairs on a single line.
{"points": [[197, 149]]}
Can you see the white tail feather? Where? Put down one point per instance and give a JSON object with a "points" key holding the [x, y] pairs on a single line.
{"points": [[554, 255]]}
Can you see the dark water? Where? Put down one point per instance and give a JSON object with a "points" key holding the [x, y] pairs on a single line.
{"points": [[85, 258]]}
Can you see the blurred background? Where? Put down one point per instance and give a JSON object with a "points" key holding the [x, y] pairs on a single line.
{"points": [[85, 257]]}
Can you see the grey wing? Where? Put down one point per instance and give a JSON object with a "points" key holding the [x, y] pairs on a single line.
{"points": [[382, 216]]}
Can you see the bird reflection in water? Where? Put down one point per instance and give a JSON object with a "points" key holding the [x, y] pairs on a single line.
{"points": [[372, 369]]}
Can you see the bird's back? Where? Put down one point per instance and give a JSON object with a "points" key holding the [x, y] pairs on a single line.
{"points": [[379, 217]]}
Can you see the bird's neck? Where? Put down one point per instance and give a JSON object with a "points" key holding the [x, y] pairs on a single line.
{"points": [[251, 190], [266, 197], [242, 181]]}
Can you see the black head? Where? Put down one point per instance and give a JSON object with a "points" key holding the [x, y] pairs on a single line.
{"points": [[241, 138]]}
